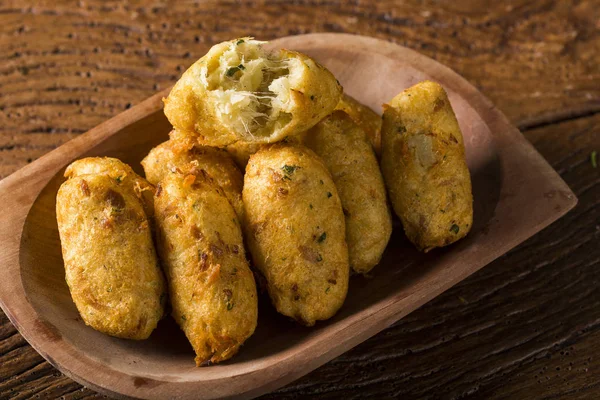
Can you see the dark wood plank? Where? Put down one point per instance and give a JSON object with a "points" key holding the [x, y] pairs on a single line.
{"points": [[524, 327]]}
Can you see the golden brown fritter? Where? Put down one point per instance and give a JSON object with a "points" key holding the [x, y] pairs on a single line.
{"points": [[120, 172], [348, 155], [295, 231], [238, 91], [212, 289], [364, 117], [241, 150], [110, 262], [424, 166], [175, 157]]}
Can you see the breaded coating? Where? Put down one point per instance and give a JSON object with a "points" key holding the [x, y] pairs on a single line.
{"points": [[239, 91], [364, 117], [296, 232], [424, 166], [212, 289], [347, 153], [121, 173], [111, 266], [241, 151], [174, 157]]}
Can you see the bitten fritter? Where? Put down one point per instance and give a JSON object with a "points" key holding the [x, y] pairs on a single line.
{"points": [[212, 289], [424, 166], [296, 232], [174, 157], [364, 117], [111, 266], [239, 91], [121, 173], [346, 151]]}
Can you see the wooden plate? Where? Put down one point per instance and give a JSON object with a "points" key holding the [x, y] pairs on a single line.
{"points": [[516, 194]]}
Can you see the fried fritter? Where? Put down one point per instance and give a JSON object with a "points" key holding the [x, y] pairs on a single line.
{"points": [[296, 232], [364, 117], [241, 151], [347, 153], [239, 91], [111, 266], [174, 157], [424, 166], [212, 289], [120, 172]]}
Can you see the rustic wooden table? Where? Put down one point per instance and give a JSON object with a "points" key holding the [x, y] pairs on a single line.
{"points": [[526, 326]]}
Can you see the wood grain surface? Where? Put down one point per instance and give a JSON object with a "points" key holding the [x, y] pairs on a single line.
{"points": [[526, 326]]}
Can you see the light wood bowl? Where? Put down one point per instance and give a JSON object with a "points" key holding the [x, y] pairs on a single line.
{"points": [[516, 194]]}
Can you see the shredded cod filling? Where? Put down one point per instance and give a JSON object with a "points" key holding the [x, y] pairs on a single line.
{"points": [[251, 88]]}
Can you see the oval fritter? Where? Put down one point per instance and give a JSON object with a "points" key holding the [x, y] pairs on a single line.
{"points": [[345, 149], [240, 91], [295, 231], [176, 157], [364, 117], [120, 172], [110, 263], [212, 289], [424, 166]]}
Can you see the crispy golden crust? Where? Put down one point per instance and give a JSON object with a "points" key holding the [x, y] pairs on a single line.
{"points": [[424, 166], [110, 262], [364, 117], [345, 149], [241, 151], [212, 289], [174, 157], [120, 172], [237, 91], [296, 233]]}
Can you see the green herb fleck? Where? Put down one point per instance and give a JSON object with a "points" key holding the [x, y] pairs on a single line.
{"points": [[288, 170], [322, 238], [401, 129], [462, 300], [183, 318], [284, 258], [229, 306], [329, 194], [442, 211], [312, 96], [321, 181], [231, 71], [593, 159], [109, 289], [319, 258], [327, 290], [454, 228], [239, 42], [119, 179], [310, 206], [234, 271]]}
